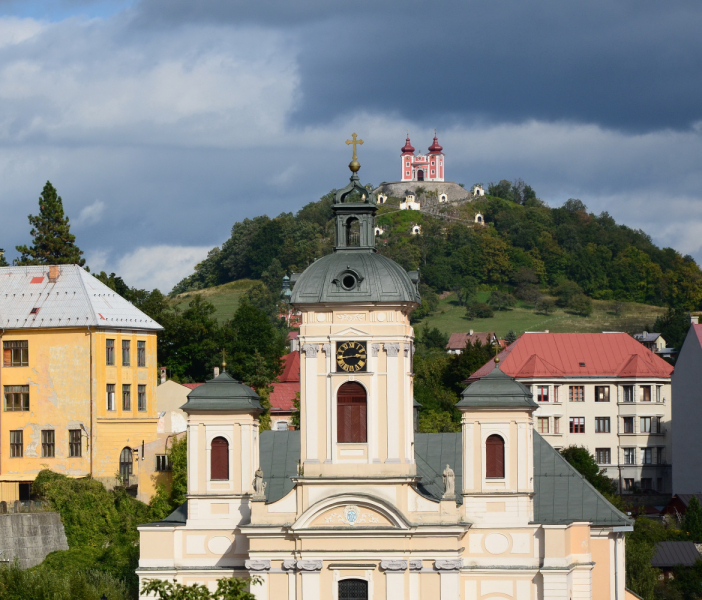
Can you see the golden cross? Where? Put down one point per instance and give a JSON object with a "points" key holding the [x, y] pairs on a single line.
{"points": [[354, 141]]}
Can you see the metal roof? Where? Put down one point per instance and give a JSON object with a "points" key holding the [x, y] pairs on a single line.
{"points": [[578, 355], [432, 452], [646, 337], [279, 455], [223, 393], [29, 300], [496, 390], [674, 554]]}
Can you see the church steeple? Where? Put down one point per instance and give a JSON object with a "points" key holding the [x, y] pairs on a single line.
{"points": [[354, 212]]}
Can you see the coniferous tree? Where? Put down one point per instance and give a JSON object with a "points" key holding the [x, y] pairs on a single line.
{"points": [[53, 242], [693, 520]]}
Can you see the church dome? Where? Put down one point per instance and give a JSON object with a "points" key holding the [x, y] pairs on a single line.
{"points": [[407, 148], [223, 393], [355, 277], [435, 148]]}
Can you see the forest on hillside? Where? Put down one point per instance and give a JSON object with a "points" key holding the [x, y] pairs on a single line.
{"points": [[524, 247]]}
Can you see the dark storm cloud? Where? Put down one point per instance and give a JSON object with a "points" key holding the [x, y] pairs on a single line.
{"points": [[631, 65]]}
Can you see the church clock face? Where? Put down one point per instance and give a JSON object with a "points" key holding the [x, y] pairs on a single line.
{"points": [[351, 356]]}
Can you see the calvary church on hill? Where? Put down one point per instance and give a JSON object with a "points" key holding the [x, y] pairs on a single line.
{"points": [[357, 505]]}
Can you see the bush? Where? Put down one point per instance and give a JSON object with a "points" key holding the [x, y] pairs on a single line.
{"points": [[479, 310], [546, 306], [501, 300], [581, 305], [565, 290]]}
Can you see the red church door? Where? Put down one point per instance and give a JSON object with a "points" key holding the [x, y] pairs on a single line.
{"points": [[420, 175]]}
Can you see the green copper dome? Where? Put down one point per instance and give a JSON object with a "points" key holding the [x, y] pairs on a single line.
{"points": [[355, 272], [223, 393], [496, 390]]}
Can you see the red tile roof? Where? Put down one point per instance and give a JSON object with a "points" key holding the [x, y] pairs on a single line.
{"points": [[192, 386], [578, 354], [288, 384], [458, 341]]}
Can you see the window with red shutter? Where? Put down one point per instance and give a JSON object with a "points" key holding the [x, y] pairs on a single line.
{"points": [[351, 413], [219, 459], [495, 455]]}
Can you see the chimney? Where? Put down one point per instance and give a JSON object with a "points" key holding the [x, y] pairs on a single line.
{"points": [[53, 273], [216, 371], [694, 319], [471, 332], [547, 331], [163, 375]]}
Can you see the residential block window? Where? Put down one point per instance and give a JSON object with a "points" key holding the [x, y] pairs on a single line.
{"points": [[577, 424], [110, 352], [629, 456], [658, 393], [556, 424], [656, 425], [627, 393], [16, 397], [542, 393], [126, 397], [646, 483], [126, 358], [645, 393], [141, 354], [555, 392], [543, 424], [16, 443], [647, 456], [644, 424], [576, 393], [601, 424], [141, 399], [603, 456], [48, 443], [628, 423], [74, 443], [15, 354], [162, 463], [628, 484], [110, 396], [601, 393]]}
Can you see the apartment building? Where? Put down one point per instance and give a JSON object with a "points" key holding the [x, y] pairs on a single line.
{"points": [[78, 378], [604, 391]]}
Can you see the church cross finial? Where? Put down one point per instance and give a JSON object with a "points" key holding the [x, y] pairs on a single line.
{"points": [[354, 164]]}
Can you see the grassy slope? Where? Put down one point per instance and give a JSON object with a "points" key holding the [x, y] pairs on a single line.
{"points": [[450, 318], [224, 297]]}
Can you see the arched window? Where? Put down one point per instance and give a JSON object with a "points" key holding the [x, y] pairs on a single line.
{"points": [[351, 413], [353, 589], [495, 456], [125, 464], [353, 232], [219, 459]]}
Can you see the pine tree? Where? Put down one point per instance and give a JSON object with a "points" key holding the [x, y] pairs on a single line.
{"points": [[53, 242], [511, 336], [693, 520]]}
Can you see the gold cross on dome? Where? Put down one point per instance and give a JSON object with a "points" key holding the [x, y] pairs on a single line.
{"points": [[354, 141]]}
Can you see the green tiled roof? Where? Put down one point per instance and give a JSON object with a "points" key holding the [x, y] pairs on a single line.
{"points": [[223, 393], [433, 451], [279, 454]]}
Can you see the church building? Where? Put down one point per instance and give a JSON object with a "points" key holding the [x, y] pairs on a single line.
{"points": [[357, 505], [422, 167]]}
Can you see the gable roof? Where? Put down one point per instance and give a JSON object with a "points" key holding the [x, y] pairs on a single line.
{"points": [[685, 498], [458, 341], [288, 384], [291, 367], [28, 300], [673, 554], [578, 355], [646, 337]]}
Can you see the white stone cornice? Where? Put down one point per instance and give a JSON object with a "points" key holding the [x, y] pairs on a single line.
{"points": [[393, 565], [310, 349], [309, 565], [448, 564], [258, 565]]}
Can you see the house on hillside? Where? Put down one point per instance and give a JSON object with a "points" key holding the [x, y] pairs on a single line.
{"points": [[457, 341], [284, 393], [78, 375], [679, 502], [604, 391], [687, 382], [668, 555], [652, 341]]}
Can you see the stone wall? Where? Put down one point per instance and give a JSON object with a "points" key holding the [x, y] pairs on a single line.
{"points": [[30, 537]]}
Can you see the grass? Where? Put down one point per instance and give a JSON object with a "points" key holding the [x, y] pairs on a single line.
{"points": [[224, 297], [451, 318]]}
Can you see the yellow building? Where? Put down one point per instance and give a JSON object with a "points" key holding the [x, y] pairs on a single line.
{"points": [[78, 378]]}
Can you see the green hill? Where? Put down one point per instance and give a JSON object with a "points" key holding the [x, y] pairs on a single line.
{"points": [[225, 298]]}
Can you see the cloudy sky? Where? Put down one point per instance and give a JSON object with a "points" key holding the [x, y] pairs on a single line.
{"points": [[162, 122]]}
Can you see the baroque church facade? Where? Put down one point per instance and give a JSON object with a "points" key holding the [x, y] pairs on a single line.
{"points": [[357, 505]]}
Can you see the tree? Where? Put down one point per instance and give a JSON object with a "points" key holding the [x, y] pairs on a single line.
{"points": [[501, 301], [53, 242], [692, 522], [641, 577], [585, 463], [432, 339], [511, 336], [479, 310], [166, 500], [437, 422], [545, 306], [565, 290], [465, 288], [3, 262], [232, 588], [581, 305], [673, 326]]}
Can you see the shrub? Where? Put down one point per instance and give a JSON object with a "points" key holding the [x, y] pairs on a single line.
{"points": [[479, 310], [546, 306], [581, 305], [501, 300]]}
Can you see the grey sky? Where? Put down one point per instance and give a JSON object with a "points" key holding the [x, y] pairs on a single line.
{"points": [[162, 122]]}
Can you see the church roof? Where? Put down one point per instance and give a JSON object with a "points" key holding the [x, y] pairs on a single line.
{"points": [[408, 148], [496, 390], [223, 393]]}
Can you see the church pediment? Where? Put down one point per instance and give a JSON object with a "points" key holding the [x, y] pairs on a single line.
{"points": [[352, 511], [352, 332]]}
